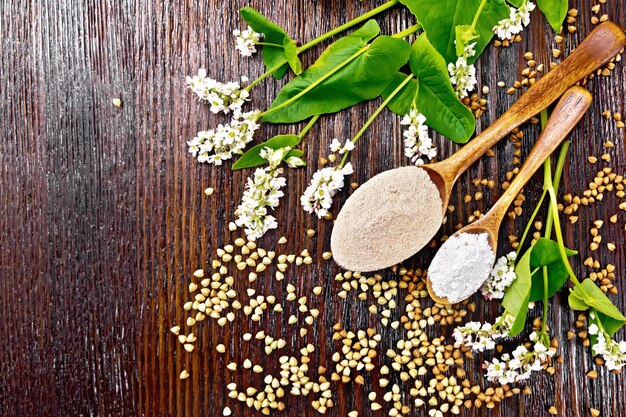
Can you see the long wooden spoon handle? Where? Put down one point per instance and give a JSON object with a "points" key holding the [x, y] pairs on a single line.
{"points": [[569, 110], [602, 44]]}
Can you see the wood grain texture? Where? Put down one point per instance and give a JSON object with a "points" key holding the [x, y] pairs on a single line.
{"points": [[103, 218]]}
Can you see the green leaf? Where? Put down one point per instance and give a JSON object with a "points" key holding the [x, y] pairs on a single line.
{"points": [[516, 299], [363, 78], [588, 295], [294, 152], [402, 102], [554, 11], [516, 3], [291, 52], [274, 34], [545, 252], [252, 157], [436, 98], [441, 17], [576, 303], [464, 35]]}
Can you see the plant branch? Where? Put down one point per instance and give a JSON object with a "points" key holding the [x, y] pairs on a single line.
{"points": [[348, 25], [478, 12], [375, 114], [308, 126]]}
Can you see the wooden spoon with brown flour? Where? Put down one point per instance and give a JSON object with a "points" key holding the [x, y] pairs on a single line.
{"points": [[396, 213]]}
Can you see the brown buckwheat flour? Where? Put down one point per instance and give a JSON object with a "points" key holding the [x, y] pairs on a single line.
{"points": [[387, 220]]}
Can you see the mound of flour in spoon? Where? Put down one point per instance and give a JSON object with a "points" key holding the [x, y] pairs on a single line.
{"points": [[387, 220], [461, 266]]}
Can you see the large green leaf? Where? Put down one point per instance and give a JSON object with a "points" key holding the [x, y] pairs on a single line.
{"points": [[402, 102], [359, 72], [588, 295], [272, 33], [252, 157], [516, 3], [516, 299], [546, 253], [439, 18], [433, 94], [554, 11]]}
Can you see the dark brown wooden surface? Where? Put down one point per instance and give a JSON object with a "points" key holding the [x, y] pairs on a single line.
{"points": [[103, 216]]}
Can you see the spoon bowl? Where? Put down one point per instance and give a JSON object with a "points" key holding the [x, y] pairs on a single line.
{"points": [[569, 110], [602, 44]]}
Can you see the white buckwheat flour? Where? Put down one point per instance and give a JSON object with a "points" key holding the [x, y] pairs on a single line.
{"points": [[461, 266], [387, 220]]}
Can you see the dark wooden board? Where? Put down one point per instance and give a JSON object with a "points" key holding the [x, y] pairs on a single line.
{"points": [[103, 216]]}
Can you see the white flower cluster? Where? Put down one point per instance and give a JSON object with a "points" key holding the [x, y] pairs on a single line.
{"points": [[262, 192], [462, 75], [223, 97], [518, 19], [318, 197], [519, 365], [482, 336], [335, 146], [501, 277], [613, 352], [215, 146], [417, 144], [246, 40]]}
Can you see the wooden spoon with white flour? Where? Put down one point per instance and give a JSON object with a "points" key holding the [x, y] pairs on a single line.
{"points": [[396, 213], [464, 261]]}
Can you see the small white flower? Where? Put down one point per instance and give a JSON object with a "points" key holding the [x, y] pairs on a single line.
{"points": [[246, 40], [482, 336], [262, 192], [215, 146], [501, 277], [520, 365], [418, 146], [613, 352], [318, 197], [463, 76], [223, 97], [335, 146], [518, 19]]}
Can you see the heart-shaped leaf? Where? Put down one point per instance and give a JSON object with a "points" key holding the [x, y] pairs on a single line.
{"points": [[273, 34], [554, 11], [441, 17], [545, 253], [359, 71], [588, 295]]}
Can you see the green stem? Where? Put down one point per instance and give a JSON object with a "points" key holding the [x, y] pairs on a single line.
{"points": [[348, 25], [308, 126], [375, 114], [545, 301], [268, 44], [478, 12], [408, 31], [531, 221], [559, 239], [547, 179]]}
